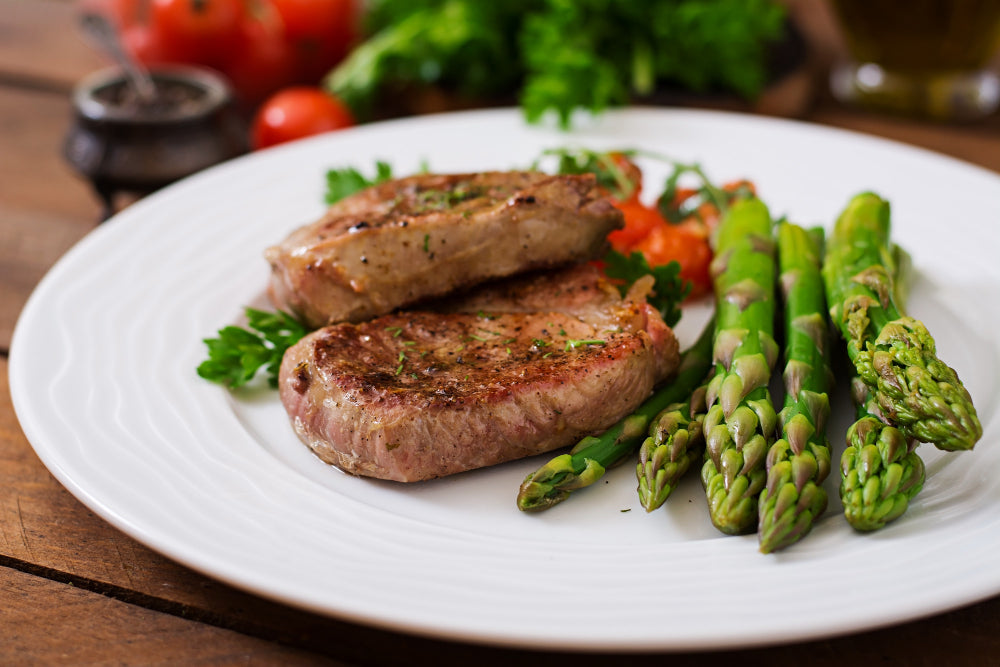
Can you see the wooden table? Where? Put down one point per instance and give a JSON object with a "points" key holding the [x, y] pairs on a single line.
{"points": [[75, 590]]}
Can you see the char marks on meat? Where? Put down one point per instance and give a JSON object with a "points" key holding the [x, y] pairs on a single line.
{"points": [[417, 395], [425, 236]]}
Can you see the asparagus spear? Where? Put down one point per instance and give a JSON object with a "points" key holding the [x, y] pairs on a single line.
{"points": [[675, 442], [893, 354], [586, 462], [880, 469], [739, 427], [798, 463]]}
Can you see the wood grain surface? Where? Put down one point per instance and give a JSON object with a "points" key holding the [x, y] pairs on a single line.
{"points": [[77, 591]]}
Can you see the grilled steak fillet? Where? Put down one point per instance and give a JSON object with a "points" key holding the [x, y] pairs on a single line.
{"points": [[417, 395], [394, 244]]}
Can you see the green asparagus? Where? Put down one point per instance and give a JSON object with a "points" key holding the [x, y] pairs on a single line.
{"points": [[740, 424], [893, 354], [880, 469], [675, 441], [587, 461], [798, 463]]}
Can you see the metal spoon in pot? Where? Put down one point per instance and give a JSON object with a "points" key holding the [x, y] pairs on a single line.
{"points": [[100, 29]]}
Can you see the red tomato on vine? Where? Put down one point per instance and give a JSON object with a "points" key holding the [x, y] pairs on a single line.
{"points": [[320, 33], [195, 31], [262, 60], [260, 45]]}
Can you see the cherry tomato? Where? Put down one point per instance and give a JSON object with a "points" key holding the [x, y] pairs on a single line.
{"points": [[297, 112], [196, 31], [668, 243], [321, 32], [262, 61], [640, 220]]}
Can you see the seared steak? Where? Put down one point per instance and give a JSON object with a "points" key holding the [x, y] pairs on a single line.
{"points": [[416, 395], [394, 244]]}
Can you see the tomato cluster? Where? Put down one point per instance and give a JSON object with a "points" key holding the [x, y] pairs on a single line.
{"points": [[261, 46], [660, 241]]}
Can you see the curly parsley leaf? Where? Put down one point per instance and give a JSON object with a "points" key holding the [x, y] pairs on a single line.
{"points": [[669, 290], [346, 181], [235, 356]]}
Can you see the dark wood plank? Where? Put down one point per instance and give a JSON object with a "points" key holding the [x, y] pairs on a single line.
{"points": [[33, 173], [44, 206], [50, 623], [26, 254]]}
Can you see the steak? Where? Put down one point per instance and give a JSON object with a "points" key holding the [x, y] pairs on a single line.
{"points": [[402, 241], [506, 372]]}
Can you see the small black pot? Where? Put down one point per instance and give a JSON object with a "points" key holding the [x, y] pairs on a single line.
{"points": [[123, 145]]}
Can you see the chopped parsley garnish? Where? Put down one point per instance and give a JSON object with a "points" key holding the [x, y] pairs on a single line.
{"points": [[572, 344], [444, 199]]}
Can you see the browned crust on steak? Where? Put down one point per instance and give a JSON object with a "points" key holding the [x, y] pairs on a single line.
{"points": [[424, 236], [417, 395]]}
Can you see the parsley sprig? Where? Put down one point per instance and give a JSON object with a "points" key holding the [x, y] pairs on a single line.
{"points": [[346, 181], [235, 356], [669, 290]]}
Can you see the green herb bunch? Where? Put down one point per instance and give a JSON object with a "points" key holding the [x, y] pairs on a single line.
{"points": [[560, 55]]}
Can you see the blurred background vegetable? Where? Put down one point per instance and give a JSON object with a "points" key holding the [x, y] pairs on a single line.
{"points": [[559, 55]]}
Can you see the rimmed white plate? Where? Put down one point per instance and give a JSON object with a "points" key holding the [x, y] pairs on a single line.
{"points": [[103, 381]]}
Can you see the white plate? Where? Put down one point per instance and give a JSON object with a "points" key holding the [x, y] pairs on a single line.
{"points": [[102, 377]]}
